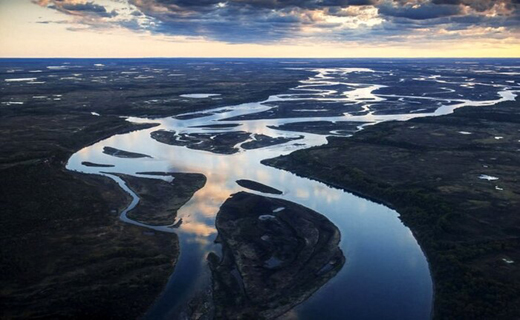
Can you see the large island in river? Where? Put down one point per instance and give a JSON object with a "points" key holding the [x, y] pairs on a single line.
{"points": [[275, 254], [455, 180]]}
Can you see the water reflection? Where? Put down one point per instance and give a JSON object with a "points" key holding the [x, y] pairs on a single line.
{"points": [[386, 274]]}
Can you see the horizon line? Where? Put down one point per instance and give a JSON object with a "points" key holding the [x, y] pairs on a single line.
{"points": [[265, 58]]}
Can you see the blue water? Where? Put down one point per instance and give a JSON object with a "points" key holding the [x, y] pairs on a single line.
{"points": [[386, 274]]}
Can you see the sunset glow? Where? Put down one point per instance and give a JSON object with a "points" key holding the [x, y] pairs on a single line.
{"points": [[260, 28]]}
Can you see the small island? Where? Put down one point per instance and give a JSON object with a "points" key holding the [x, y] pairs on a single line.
{"points": [[123, 154], [257, 186], [159, 200]]}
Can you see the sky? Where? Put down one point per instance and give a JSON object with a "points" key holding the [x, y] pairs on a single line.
{"points": [[260, 28]]}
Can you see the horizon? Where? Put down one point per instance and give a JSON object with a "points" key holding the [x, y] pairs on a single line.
{"points": [[259, 58], [259, 29], [233, 159]]}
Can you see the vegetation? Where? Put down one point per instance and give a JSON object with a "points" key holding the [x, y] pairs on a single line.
{"points": [[159, 200], [429, 172], [64, 253], [270, 263]]}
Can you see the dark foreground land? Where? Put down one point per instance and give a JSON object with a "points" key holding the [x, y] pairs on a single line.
{"points": [[429, 170], [275, 255], [64, 253]]}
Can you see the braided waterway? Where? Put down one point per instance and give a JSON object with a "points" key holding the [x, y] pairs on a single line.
{"points": [[386, 274]]}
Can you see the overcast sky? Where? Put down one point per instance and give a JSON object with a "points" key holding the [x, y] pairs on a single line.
{"points": [[260, 28]]}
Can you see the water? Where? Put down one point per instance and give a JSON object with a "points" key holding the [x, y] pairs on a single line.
{"points": [[386, 274]]}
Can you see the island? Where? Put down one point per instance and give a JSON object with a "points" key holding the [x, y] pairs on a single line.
{"points": [[159, 200], [275, 255]]}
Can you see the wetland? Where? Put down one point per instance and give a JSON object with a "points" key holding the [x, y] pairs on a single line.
{"points": [[170, 171]]}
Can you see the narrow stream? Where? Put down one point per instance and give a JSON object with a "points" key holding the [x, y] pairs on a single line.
{"points": [[386, 274]]}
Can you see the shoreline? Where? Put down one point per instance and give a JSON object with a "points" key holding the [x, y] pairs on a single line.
{"points": [[57, 200], [374, 199], [92, 199], [415, 207], [104, 127]]}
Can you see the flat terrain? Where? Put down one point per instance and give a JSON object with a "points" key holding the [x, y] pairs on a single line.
{"points": [[64, 252], [219, 142], [322, 127], [455, 180], [262, 140], [275, 255], [123, 154], [160, 200], [257, 186], [144, 88]]}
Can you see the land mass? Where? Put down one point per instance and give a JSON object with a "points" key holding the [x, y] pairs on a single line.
{"points": [[97, 165], [159, 200], [143, 88], [455, 180], [322, 127], [123, 154], [64, 252], [257, 186], [275, 255], [262, 140], [220, 142]]}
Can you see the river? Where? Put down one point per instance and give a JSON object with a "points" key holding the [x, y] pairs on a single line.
{"points": [[386, 274]]}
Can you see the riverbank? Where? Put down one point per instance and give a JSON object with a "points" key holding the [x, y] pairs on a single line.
{"points": [[159, 200], [455, 180], [275, 255], [64, 251], [65, 254]]}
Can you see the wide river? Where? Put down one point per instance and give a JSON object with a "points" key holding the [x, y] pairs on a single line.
{"points": [[386, 274]]}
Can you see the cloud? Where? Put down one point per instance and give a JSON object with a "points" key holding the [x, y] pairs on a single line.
{"points": [[72, 7], [257, 21], [479, 5], [421, 12], [283, 21], [88, 7]]}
